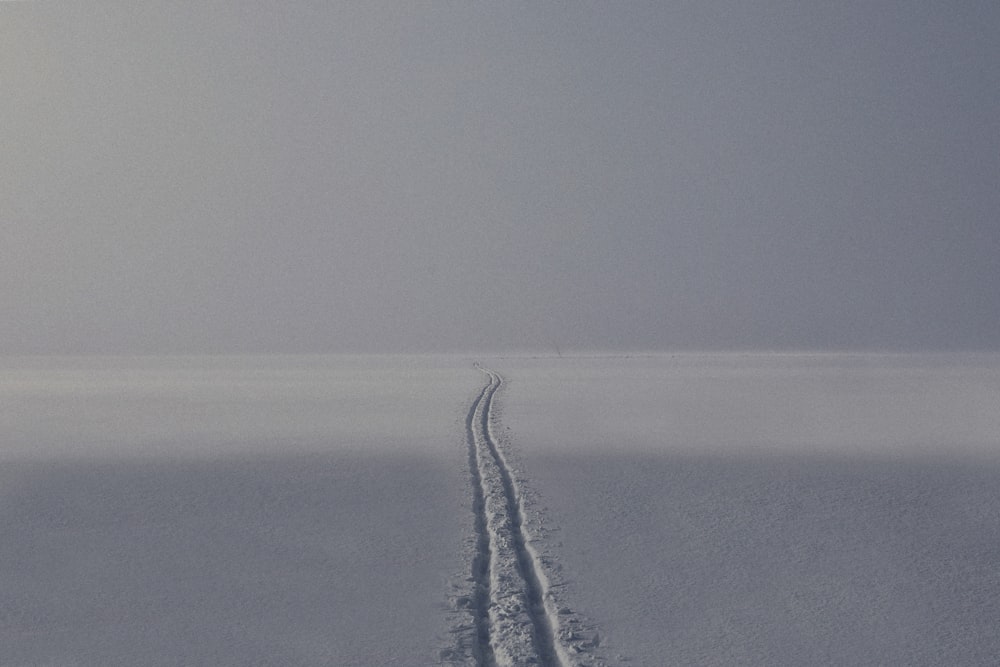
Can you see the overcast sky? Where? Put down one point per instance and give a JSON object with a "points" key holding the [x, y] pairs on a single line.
{"points": [[326, 177]]}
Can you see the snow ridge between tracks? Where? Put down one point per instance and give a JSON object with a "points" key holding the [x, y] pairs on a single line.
{"points": [[520, 624]]}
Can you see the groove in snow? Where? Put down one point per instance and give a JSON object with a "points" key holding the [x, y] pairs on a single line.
{"points": [[515, 618], [481, 559]]}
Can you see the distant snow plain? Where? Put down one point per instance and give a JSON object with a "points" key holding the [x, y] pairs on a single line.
{"points": [[688, 509]]}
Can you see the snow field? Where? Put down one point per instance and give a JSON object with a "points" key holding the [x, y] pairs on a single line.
{"points": [[663, 509], [232, 511], [768, 509]]}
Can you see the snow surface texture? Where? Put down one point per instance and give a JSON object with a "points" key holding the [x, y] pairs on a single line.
{"points": [[769, 509], [516, 620], [298, 511], [689, 509]]}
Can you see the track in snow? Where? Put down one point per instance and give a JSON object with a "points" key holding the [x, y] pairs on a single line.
{"points": [[516, 622]]}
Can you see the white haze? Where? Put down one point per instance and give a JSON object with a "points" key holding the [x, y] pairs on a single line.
{"points": [[327, 177]]}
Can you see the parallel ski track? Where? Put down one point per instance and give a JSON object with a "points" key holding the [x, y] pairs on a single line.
{"points": [[515, 623], [481, 560]]}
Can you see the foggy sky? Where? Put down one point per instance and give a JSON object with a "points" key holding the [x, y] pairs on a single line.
{"points": [[220, 177]]}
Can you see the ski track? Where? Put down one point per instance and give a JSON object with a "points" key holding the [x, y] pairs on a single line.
{"points": [[516, 619]]}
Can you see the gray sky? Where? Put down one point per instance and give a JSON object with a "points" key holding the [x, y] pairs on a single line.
{"points": [[218, 177]]}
